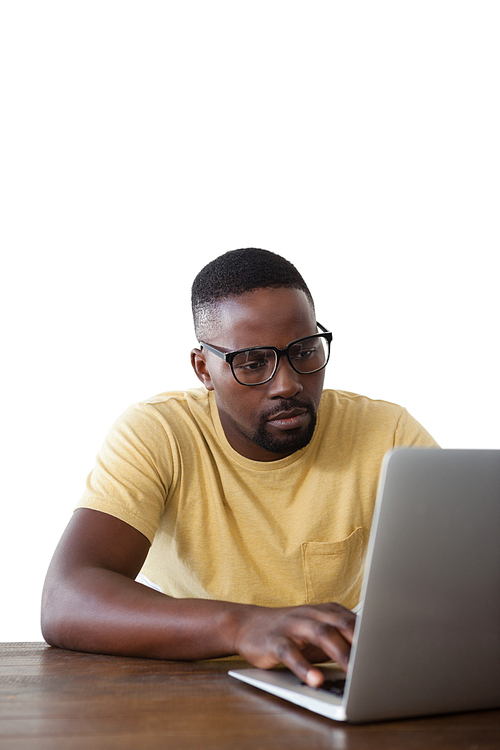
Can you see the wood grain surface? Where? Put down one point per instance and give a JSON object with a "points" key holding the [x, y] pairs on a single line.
{"points": [[52, 699]]}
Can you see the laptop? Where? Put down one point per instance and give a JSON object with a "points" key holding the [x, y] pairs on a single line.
{"points": [[427, 637]]}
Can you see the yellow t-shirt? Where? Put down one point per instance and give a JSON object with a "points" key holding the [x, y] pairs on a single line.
{"points": [[225, 527]]}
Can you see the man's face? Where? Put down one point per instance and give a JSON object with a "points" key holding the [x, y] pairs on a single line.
{"points": [[269, 421]]}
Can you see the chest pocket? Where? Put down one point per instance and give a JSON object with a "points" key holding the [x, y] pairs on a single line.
{"points": [[333, 570]]}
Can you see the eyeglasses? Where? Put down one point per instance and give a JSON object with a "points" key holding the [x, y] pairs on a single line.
{"points": [[258, 364]]}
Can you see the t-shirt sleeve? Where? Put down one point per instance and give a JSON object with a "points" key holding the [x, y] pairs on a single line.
{"points": [[409, 433], [133, 471]]}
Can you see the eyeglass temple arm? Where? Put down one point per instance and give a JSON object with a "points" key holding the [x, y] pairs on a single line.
{"points": [[220, 354]]}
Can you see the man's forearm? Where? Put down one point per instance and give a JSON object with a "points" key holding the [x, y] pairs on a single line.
{"points": [[104, 612], [91, 602]]}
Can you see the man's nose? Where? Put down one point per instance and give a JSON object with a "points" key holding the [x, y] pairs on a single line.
{"points": [[286, 382]]}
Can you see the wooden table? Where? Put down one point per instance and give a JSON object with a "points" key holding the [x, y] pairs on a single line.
{"points": [[54, 699]]}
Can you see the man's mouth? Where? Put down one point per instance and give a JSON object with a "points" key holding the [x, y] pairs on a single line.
{"points": [[289, 420]]}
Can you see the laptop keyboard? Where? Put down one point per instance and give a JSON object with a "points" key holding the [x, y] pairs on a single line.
{"points": [[333, 686]]}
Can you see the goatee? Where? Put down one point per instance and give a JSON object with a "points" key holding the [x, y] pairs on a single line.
{"points": [[289, 441]]}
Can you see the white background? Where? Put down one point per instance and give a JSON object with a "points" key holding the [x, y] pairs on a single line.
{"points": [[139, 140]]}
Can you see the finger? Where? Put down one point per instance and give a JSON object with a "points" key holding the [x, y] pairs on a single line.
{"points": [[290, 656], [321, 634], [336, 616], [333, 643]]}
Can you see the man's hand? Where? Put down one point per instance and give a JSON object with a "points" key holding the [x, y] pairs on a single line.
{"points": [[296, 637]]}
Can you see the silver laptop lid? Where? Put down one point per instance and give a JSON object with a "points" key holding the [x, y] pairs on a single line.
{"points": [[428, 639]]}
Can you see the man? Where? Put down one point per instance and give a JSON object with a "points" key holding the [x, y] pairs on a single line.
{"points": [[247, 503]]}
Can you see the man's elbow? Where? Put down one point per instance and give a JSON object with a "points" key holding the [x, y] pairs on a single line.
{"points": [[51, 620], [59, 618]]}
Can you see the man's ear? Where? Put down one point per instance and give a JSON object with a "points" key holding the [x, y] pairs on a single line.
{"points": [[200, 367]]}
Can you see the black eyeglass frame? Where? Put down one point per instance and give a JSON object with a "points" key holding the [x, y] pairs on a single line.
{"points": [[229, 356]]}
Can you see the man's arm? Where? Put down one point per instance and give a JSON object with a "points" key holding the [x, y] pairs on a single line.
{"points": [[91, 602]]}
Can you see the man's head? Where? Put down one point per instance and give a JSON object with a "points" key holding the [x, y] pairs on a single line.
{"points": [[235, 273], [253, 298]]}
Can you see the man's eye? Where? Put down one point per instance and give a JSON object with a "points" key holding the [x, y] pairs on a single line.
{"points": [[254, 365], [304, 354]]}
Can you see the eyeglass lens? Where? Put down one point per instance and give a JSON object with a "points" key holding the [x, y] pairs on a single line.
{"points": [[254, 366]]}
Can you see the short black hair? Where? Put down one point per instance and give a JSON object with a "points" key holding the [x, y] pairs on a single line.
{"points": [[237, 272]]}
